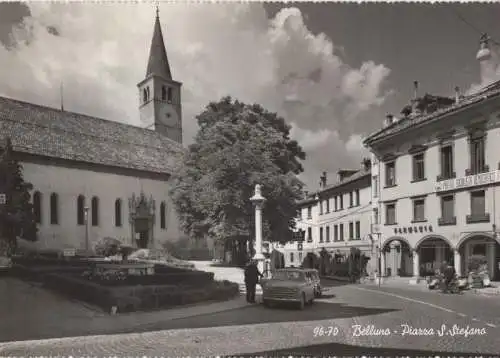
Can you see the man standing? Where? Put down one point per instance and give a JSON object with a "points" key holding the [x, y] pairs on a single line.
{"points": [[449, 275], [252, 275]]}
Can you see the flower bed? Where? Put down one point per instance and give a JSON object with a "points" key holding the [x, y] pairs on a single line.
{"points": [[138, 297]]}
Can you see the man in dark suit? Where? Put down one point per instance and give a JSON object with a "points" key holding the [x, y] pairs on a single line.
{"points": [[252, 275], [449, 275]]}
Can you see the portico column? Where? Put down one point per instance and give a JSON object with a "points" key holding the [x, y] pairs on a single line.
{"points": [[457, 260], [416, 263], [491, 259], [394, 253], [382, 263]]}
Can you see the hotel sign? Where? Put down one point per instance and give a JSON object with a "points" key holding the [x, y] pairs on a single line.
{"points": [[469, 181]]}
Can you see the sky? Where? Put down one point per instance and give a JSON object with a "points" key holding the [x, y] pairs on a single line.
{"points": [[332, 70]]}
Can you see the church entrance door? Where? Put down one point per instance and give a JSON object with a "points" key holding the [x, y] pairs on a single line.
{"points": [[142, 242]]}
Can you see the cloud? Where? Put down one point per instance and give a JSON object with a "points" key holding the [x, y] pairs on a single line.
{"points": [[99, 52], [312, 140]]}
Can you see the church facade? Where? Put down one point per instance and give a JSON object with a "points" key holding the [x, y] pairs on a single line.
{"points": [[95, 178]]}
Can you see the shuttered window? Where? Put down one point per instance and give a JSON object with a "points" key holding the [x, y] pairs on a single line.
{"points": [[477, 203], [447, 207], [419, 210], [390, 213]]}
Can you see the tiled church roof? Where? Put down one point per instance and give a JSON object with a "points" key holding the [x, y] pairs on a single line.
{"points": [[405, 123], [54, 133]]}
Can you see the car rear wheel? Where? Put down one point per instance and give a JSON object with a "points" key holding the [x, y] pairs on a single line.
{"points": [[302, 302], [266, 303]]}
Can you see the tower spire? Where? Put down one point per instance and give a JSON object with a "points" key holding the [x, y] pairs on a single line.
{"points": [[158, 64]]}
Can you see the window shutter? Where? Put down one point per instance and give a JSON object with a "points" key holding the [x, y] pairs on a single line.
{"points": [[477, 203]]}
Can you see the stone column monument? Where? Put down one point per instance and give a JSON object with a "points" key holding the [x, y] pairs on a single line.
{"points": [[258, 201]]}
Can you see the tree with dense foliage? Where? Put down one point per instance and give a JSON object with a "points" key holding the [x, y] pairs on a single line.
{"points": [[237, 146], [16, 215]]}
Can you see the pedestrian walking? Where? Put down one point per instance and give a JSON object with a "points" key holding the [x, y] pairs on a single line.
{"points": [[252, 275]]}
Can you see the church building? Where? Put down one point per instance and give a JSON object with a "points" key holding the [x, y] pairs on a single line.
{"points": [[94, 178]]}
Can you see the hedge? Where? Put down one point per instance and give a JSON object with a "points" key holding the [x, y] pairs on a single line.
{"points": [[37, 273], [198, 278], [133, 298], [201, 254], [32, 260]]}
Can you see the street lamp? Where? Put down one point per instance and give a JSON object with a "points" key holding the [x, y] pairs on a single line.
{"points": [[86, 215], [258, 201]]}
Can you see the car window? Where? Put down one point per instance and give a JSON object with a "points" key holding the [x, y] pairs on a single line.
{"points": [[289, 275]]}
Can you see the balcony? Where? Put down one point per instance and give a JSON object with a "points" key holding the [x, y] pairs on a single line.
{"points": [[447, 221], [442, 177], [485, 169], [478, 218]]}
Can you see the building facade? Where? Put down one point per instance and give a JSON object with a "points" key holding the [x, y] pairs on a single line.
{"points": [[95, 178], [435, 179], [336, 218]]}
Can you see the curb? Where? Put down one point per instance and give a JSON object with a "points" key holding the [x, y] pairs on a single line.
{"points": [[483, 293], [246, 305], [332, 278]]}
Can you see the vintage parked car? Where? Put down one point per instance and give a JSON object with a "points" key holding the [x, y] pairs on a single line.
{"points": [[313, 274], [292, 285]]}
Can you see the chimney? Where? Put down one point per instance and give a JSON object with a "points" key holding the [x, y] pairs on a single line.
{"points": [[484, 52], [487, 64], [388, 120], [414, 101], [323, 180], [367, 164], [457, 94]]}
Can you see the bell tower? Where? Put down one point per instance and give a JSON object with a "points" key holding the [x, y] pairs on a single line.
{"points": [[159, 95]]}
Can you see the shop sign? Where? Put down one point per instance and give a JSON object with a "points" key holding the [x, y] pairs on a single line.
{"points": [[469, 181]]}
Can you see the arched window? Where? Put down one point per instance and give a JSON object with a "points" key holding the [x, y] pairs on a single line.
{"points": [[118, 213], [37, 206], [54, 210], [95, 211], [80, 210], [163, 215], [163, 93], [169, 94], [144, 95]]}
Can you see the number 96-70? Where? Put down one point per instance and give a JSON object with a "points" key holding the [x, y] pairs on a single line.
{"points": [[320, 331]]}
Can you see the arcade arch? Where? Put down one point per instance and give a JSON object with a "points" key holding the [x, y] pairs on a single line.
{"points": [[431, 252], [481, 244], [396, 257]]}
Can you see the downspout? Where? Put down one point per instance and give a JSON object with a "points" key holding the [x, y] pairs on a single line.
{"points": [[494, 226]]}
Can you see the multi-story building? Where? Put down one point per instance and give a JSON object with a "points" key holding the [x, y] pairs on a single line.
{"points": [[435, 181], [335, 218]]}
